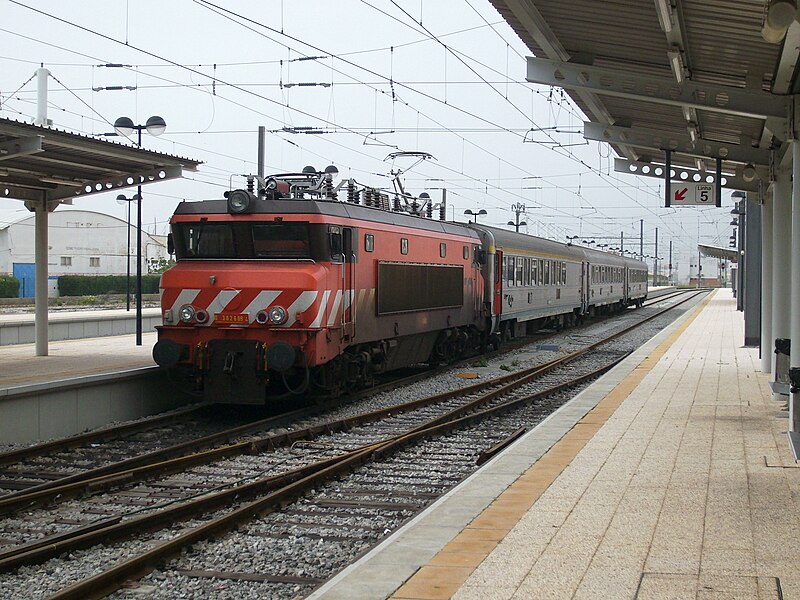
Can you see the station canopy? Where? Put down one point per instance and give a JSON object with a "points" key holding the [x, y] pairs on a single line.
{"points": [[729, 254], [695, 77], [45, 164]]}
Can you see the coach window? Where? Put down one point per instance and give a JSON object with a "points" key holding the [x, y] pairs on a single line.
{"points": [[509, 267], [547, 272], [564, 273], [403, 245], [534, 272], [520, 262], [526, 269], [369, 242], [442, 250]]}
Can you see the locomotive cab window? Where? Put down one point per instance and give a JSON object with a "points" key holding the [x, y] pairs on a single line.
{"points": [[335, 241], [204, 239], [369, 242], [284, 239]]}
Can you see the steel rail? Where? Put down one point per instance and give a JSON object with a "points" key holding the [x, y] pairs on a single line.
{"points": [[112, 579]]}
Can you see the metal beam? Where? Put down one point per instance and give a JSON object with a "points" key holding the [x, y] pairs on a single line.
{"points": [[15, 192], [20, 146], [661, 90], [645, 169], [787, 63], [116, 183], [653, 139]]}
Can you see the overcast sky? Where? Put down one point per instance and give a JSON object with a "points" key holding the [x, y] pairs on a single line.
{"points": [[445, 77]]}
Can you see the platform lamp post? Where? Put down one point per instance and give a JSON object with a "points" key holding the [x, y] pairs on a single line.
{"points": [[518, 210], [477, 214], [570, 239], [120, 199], [155, 126]]}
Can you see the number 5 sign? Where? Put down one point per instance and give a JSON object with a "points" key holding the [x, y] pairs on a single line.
{"points": [[692, 194]]}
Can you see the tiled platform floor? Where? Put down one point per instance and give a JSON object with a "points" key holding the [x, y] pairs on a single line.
{"points": [[687, 490], [68, 359]]}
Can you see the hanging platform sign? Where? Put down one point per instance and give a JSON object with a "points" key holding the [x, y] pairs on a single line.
{"points": [[692, 194]]}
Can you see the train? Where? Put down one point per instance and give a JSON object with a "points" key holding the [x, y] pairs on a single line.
{"points": [[297, 286]]}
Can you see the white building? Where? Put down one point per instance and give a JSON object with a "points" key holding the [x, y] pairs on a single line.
{"points": [[80, 242]]}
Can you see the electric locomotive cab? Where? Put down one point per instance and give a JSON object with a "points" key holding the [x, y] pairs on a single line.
{"points": [[256, 281]]}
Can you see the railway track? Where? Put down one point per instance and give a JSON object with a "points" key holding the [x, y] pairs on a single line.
{"points": [[120, 449], [243, 476]]}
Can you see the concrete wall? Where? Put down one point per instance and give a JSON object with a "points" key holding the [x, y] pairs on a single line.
{"points": [[44, 411], [12, 332]]}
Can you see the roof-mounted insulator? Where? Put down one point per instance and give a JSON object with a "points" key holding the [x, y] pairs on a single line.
{"points": [[351, 192], [250, 183], [415, 207], [442, 212], [396, 203], [384, 201], [430, 210]]}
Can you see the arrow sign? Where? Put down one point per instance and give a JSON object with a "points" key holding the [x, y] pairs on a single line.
{"points": [[692, 194]]}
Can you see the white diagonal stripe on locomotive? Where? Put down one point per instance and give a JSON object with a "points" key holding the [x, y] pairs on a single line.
{"points": [[303, 303], [184, 297], [335, 308], [321, 310], [220, 301], [262, 301]]}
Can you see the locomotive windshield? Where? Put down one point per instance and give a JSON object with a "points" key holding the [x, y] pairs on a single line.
{"points": [[206, 240], [281, 240], [242, 240]]}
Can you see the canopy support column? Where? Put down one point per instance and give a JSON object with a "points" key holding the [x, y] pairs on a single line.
{"points": [[782, 255], [41, 252], [794, 304], [766, 284]]}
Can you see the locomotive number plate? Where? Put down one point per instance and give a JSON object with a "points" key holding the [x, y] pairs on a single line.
{"points": [[237, 319]]}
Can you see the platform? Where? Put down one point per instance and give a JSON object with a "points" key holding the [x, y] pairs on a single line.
{"points": [[81, 384], [19, 328], [670, 477]]}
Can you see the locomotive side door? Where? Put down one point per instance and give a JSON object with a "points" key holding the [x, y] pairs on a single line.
{"points": [[348, 284]]}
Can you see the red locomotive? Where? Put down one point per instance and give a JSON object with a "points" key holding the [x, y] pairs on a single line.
{"points": [[289, 289]]}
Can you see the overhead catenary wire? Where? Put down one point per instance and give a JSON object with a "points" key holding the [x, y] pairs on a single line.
{"points": [[450, 129]]}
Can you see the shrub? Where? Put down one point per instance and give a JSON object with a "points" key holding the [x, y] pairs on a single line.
{"points": [[9, 286], [94, 285]]}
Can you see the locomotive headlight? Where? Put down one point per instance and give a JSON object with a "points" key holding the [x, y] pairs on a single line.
{"points": [[277, 315], [186, 313], [239, 201]]}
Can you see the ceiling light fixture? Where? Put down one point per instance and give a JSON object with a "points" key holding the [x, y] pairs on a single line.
{"points": [[676, 62], [61, 181], [692, 129], [664, 10]]}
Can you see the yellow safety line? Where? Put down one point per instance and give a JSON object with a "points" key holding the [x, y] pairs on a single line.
{"points": [[446, 572]]}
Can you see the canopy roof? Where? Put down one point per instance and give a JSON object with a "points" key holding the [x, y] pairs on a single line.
{"points": [[695, 77], [42, 163]]}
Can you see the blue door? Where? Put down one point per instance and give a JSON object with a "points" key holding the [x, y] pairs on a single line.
{"points": [[26, 272]]}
